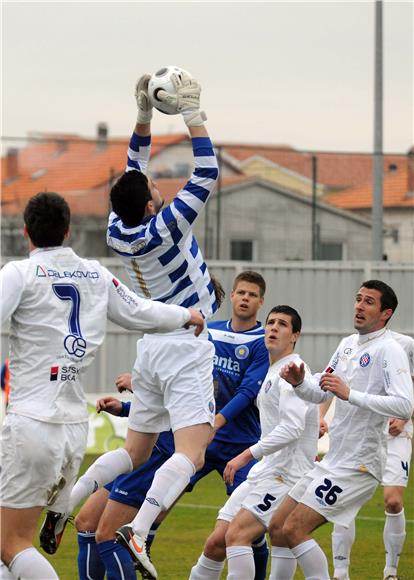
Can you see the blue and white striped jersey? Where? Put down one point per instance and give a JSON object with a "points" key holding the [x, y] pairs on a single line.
{"points": [[161, 254]]}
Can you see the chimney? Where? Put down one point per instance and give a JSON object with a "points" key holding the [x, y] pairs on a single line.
{"points": [[101, 136], [12, 164], [410, 167]]}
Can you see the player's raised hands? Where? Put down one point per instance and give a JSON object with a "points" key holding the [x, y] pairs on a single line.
{"points": [[293, 374], [186, 99], [143, 102], [110, 405]]}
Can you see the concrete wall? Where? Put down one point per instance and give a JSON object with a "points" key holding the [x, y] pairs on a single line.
{"points": [[280, 225]]}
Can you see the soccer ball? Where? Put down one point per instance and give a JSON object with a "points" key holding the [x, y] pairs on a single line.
{"points": [[161, 81]]}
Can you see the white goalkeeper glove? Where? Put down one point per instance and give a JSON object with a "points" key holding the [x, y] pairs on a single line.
{"points": [[186, 99], [143, 101]]}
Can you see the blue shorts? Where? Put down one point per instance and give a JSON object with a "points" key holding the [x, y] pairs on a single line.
{"points": [[131, 488], [218, 454]]}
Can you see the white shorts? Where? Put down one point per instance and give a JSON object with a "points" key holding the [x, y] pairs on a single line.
{"points": [[40, 462], [173, 382], [337, 496], [260, 498], [397, 466]]}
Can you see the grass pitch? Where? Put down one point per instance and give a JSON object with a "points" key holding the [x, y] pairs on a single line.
{"points": [[181, 537]]}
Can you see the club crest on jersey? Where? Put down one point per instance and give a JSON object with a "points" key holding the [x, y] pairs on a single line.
{"points": [[268, 385], [242, 352], [364, 360]]}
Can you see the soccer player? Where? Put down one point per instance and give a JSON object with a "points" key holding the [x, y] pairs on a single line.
{"points": [[394, 481], [288, 446], [370, 378], [58, 304], [240, 365], [172, 376]]}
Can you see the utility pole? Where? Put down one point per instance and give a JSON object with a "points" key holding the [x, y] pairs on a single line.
{"points": [[378, 166], [218, 217], [315, 232]]}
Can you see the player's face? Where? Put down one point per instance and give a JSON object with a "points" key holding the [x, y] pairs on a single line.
{"points": [[279, 336], [368, 316], [246, 300], [156, 198]]}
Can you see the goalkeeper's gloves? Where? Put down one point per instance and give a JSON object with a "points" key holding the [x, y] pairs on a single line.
{"points": [[186, 99], [143, 102]]}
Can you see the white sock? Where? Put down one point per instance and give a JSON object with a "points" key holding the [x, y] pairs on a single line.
{"points": [[394, 536], [312, 560], [342, 540], [5, 574], [106, 468], [206, 569], [283, 564], [240, 563], [30, 563], [170, 480]]}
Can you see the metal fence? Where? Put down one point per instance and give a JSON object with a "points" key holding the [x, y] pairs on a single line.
{"points": [[323, 293]]}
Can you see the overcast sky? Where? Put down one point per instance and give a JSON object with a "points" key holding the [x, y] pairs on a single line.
{"points": [[297, 73]]}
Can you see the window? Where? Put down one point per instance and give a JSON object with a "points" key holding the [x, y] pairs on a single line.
{"points": [[330, 251], [241, 250]]}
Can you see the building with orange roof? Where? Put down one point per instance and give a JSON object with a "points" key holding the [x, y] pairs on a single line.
{"points": [[398, 207], [258, 179]]}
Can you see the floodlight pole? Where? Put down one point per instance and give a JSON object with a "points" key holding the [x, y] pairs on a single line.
{"points": [[378, 175]]}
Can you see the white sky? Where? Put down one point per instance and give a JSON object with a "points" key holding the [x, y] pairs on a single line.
{"points": [[297, 73]]}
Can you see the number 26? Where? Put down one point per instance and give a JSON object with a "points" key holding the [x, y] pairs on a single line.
{"points": [[330, 490]]}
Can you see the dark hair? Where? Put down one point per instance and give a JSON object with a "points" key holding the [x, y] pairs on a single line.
{"points": [[218, 290], [47, 218], [129, 197], [388, 296], [253, 278], [294, 316]]}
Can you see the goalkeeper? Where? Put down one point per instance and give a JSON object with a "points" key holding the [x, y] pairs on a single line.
{"points": [[172, 376]]}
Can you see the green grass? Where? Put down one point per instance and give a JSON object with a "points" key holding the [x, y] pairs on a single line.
{"points": [[180, 539]]}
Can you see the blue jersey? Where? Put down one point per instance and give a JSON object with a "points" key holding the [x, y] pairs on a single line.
{"points": [[241, 362]]}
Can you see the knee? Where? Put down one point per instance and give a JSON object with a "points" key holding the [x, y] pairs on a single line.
{"points": [[104, 532], [232, 537], [199, 461], [138, 456], [215, 547], [85, 522], [393, 504], [275, 532], [290, 532]]}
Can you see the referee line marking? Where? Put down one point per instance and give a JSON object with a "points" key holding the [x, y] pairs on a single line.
{"points": [[202, 506]]}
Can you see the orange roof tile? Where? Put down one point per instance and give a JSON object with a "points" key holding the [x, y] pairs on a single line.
{"points": [[336, 170], [395, 193], [68, 166]]}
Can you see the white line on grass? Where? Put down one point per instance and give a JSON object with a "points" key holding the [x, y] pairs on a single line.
{"points": [[202, 506]]}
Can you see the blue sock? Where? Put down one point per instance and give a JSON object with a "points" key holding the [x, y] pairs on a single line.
{"points": [[260, 555], [118, 563], [90, 565]]}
